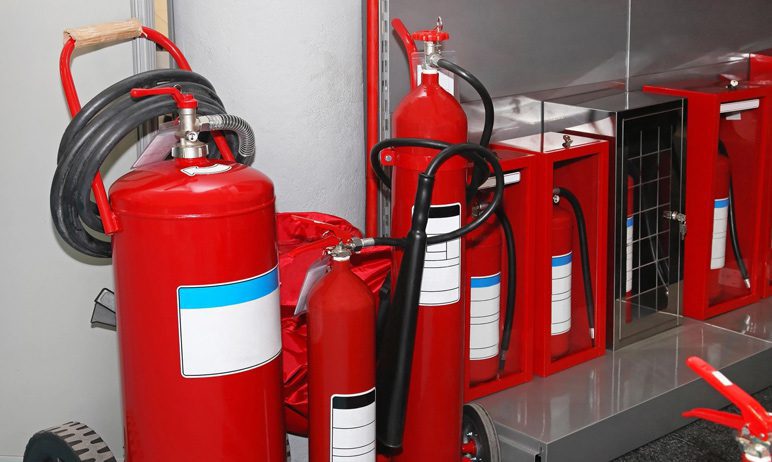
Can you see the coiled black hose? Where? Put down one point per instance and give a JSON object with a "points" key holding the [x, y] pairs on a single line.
{"points": [[738, 255], [581, 229], [93, 134], [509, 316]]}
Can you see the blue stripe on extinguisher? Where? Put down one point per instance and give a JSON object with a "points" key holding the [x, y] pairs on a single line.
{"points": [[721, 203], [487, 281], [194, 297], [630, 222], [561, 260]]}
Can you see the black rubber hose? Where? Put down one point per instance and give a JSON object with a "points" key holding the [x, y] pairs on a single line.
{"points": [[395, 351], [738, 255], [509, 317], [478, 86], [466, 149], [92, 135], [585, 254], [480, 172]]}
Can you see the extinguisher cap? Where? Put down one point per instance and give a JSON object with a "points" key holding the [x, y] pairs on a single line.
{"points": [[431, 35], [339, 252]]}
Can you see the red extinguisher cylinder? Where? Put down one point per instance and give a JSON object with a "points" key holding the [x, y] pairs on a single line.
{"points": [[198, 312], [561, 229], [629, 231], [718, 251], [341, 348], [484, 265], [435, 398]]}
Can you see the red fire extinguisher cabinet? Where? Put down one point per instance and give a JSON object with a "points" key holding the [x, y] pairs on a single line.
{"points": [[761, 73], [579, 165], [521, 178], [726, 150]]}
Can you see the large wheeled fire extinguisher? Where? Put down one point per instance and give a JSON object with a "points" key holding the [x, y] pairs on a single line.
{"points": [[197, 304], [562, 237], [341, 349], [421, 343], [724, 224]]}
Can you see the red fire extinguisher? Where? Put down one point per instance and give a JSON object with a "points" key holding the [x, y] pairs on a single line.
{"points": [[562, 236], [341, 348], [430, 112], [484, 301], [197, 305], [724, 226], [629, 232]]}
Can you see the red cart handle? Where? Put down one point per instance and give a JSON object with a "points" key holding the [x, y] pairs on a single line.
{"points": [[183, 100], [108, 217], [753, 415]]}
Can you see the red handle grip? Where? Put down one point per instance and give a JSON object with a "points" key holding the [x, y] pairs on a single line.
{"points": [[183, 100]]}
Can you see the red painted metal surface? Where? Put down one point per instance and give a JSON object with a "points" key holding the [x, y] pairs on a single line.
{"points": [[583, 169], [747, 142], [172, 238], [518, 204], [341, 348], [73, 103], [761, 72], [435, 397]]}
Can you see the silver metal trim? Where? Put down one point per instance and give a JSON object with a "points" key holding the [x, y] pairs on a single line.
{"points": [[143, 52]]}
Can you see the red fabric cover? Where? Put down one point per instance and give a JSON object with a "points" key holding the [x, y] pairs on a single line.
{"points": [[302, 238]]}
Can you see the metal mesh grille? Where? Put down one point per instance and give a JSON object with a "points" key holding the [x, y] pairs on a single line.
{"points": [[649, 155]]}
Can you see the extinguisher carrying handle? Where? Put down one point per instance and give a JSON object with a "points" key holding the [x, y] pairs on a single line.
{"points": [[397, 343]]}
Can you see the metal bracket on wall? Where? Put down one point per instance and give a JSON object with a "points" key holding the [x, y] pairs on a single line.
{"points": [[384, 202]]}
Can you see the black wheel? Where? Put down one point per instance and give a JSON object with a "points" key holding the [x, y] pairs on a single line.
{"points": [[478, 428], [71, 442]]}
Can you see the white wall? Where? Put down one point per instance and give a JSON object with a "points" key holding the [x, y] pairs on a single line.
{"points": [[293, 69], [53, 366]]}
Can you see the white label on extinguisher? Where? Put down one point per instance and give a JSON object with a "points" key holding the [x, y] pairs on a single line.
{"points": [[230, 327], [441, 282], [561, 293], [629, 256], [484, 307], [352, 422], [446, 81], [720, 220], [207, 170]]}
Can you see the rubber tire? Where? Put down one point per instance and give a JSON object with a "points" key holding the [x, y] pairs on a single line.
{"points": [[71, 442], [478, 421]]}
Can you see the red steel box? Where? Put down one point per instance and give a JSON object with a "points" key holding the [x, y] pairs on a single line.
{"points": [[580, 166], [726, 155], [519, 205]]}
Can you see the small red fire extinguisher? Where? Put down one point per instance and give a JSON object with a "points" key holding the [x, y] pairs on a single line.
{"points": [[562, 230], [629, 231], [341, 349], [484, 301]]}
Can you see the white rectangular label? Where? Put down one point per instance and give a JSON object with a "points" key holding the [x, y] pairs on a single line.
{"points": [[561, 293], [720, 220], [739, 106], [352, 422], [230, 327], [446, 81], [441, 282], [484, 308], [509, 178]]}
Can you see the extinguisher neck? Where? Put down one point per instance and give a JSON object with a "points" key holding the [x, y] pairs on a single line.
{"points": [[430, 77]]}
